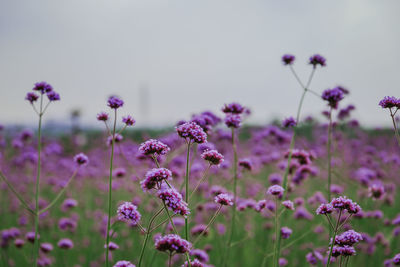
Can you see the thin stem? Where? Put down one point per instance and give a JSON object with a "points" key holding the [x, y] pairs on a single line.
{"points": [[235, 175], [333, 239], [345, 221], [59, 194], [201, 180], [170, 260], [310, 77], [276, 256], [329, 154], [39, 148], [26, 206], [110, 186], [208, 225], [147, 235], [330, 222], [396, 132], [347, 261], [296, 76], [187, 189]]}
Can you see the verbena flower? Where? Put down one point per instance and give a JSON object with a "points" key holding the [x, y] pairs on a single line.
{"points": [[233, 120], [289, 122], [288, 59], [115, 102], [172, 243], [81, 159], [348, 238], [213, 157], [224, 199], [333, 96], [389, 102], [174, 201], [124, 264], [325, 209], [102, 116], [192, 131], [317, 60], [152, 146], [53, 96], [233, 108], [286, 232], [31, 97], [155, 176], [43, 87], [128, 120], [65, 243], [288, 204], [128, 212], [275, 190]]}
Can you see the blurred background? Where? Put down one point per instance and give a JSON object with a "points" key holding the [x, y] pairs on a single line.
{"points": [[170, 59]]}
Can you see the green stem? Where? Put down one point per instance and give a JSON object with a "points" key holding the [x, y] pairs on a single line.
{"points": [[147, 235], [208, 225], [26, 206], [235, 175], [396, 132], [199, 183], [110, 187], [59, 194], [187, 189], [329, 154], [333, 239], [39, 148]]}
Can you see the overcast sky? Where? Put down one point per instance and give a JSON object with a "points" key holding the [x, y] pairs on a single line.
{"points": [[196, 55]]}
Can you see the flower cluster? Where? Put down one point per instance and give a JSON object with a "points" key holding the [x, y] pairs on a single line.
{"points": [[81, 159], [174, 201], [344, 203], [124, 264], [115, 102], [172, 243], [153, 147], [348, 238], [155, 176], [224, 199], [128, 120], [288, 59], [213, 157], [275, 190], [128, 212], [289, 122], [42, 88], [333, 96], [317, 60], [389, 102], [192, 131]]}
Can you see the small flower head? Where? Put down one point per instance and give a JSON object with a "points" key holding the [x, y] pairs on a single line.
{"points": [[128, 212], [213, 157], [65, 243], [389, 102], [288, 204], [154, 177], [124, 264], [192, 131], [288, 59], [174, 201], [376, 191], [53, 96], [348, 238], [102, 116], [286, 232], [172, 243], [233, 108], [42, 87], [289, 122], [81, 159], [333, 96], [343, 203], [31, 97], [317, 60], [153, 147], [275, 190], [233, 120], [325, 209], [128, 120], [115, 102], [46, 247], [396, 259], [223, 199]]}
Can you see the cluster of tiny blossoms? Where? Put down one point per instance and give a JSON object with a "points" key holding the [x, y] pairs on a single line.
{"points": [[172, 243], [340, 203], [154, 177], [153, 147], [174, 201], [128, 212], [192, 132]]}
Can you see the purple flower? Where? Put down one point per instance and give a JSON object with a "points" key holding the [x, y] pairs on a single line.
{"points": [[124, 264], [200, 254], [112, 246], [155, 176], [333, 96], [81, 159], [117, 138], [31, 97], [114, 102], [152, 146], [128, 212], [325, 209], [194, 263], [192, 131], [289, 122], [30, 236], [53, 96], [102, 116], [286, 232], [283, 262], [389, 102], [223, 199], [317, 60], [288, 59], [342, 203], [246, 164], [376, 191], [288, 204], [275, 190], [128, 120], [233, 108], [65, 243], [174, 201], [396, 259], [46, 247], [213, 157], [172, 243], [42, 87], [348, 238], [233, 120]]}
